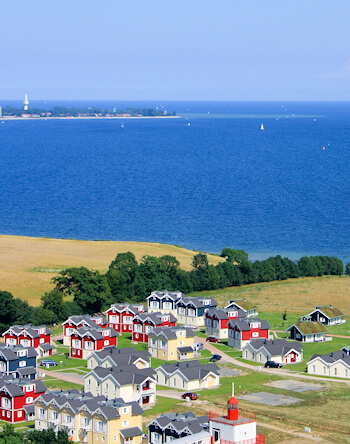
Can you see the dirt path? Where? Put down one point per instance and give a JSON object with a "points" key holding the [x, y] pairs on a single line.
{"points": [[280, 371], [64, 376]]}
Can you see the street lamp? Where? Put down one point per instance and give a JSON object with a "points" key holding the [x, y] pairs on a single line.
{"points": [[54, 325], [61, 362]]}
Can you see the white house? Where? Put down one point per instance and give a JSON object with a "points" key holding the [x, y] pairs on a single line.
{"points": [[335, 364], [278, 350]]}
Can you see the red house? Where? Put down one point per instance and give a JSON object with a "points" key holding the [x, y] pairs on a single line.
{"points": [[85, 341], [85, 321], [17, 397], [216, 321], [241, 331], [121, 316], [143, 323], [29, 336]]}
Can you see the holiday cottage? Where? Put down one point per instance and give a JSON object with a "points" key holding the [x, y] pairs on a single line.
{"points": [[188, 376], [143, 323], [191, 311], [121, 316], [216, 321], [163, 301], [84, 321], [327, 315], [172, 343], [29, 336], [112, 356], [123, 381], [278, 350], [308, 331], [335, 364], [89, 419], [17, 361], [85, 341], [241, 331]]}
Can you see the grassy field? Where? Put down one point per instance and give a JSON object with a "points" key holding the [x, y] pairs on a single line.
{"points": [[296, 296], [27, 264]]}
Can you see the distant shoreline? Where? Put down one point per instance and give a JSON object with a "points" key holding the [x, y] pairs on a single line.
{"points": [[86, 117]]}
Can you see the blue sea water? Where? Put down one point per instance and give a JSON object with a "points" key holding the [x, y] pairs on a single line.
{"points": [[218, 182]]}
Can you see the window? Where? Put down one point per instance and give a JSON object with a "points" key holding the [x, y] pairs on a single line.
{"points": [[22, 353], [9, 414], [246, 353], [138, 328], [25, 343], [181, 333], [174, 382], [172, 354], [255, 334], [153, 343], [255, 325], [260, 357], [106, 388], [114, 319], [42, 340], [115, 438], [19, 414], [313, 369], [324, 370], [167, 305], [22, 363], [29, 388], [127, 320], [125, 423], [125, 410], [191, 312], [6, 403], [103, 438], [96, 437], [148, 328], [215, 324], [88, 384], [181, 310], [181, 342], [154, 304], [89, 345], [76, 343], [163, 344], [106, 342], [346, 372], [29, 400], [335, 371]]}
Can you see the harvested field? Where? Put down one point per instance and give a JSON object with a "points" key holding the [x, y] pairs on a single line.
{"points": [[27, 264]]}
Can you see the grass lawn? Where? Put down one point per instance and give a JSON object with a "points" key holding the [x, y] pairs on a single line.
{"points": [[20, 425], [67, 362], [343, 329], [58, 384]]}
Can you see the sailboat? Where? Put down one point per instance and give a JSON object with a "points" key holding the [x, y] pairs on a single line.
{"points": [[122, 125], [262, 126]]}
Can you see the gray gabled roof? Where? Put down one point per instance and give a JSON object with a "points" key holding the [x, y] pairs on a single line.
{"points": [[191, 370], [130, 432], [185, 349], [123, 374], [244, 324], [25, 371], [331, 358], [166, 294], [154, 318], [46, 347], [275, 346], [9, 352], [181, 423], [170, 332], [197, 302], [96, 332], [121, 356]]}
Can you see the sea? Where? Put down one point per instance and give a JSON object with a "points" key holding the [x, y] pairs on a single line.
{"points": [[209, 179]]}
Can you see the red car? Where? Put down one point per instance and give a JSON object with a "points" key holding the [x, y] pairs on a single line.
{"points": [[212, 339], [192, 396]]}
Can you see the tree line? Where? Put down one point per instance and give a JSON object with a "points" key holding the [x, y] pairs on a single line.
{"points": [[81, 290]]}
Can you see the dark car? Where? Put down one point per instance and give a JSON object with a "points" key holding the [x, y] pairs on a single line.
{"points": [[48, 362], [215, 358], [192, 396], [272, 364], [212, 339]]}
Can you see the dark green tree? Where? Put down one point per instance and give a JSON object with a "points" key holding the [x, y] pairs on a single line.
{"points": [[234, 255], [347, 269], [90, 289], [8, 435], [53, 301], [200, 260]]}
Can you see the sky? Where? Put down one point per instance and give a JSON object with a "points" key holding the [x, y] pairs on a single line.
{"points": [[175, 50]]}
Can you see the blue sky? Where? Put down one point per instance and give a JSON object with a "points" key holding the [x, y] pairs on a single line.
{"points": [[175, 49]]}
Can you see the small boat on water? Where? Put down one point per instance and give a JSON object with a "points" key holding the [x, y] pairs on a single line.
{"points": [[262, 126], [122, 125], [188, 124]]}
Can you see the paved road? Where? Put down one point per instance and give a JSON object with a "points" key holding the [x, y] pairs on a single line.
{"points": [[282, 372], [65, 376]]}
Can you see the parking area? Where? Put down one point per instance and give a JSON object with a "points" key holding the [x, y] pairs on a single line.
{"points": [[269, 398], [295, 386], [229, 372]]}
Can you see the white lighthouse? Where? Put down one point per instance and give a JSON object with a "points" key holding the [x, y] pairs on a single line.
{"points": [[25, 102], [234, 428]]}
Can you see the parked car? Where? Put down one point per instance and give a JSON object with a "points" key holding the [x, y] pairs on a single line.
{"points": [[215, 358], [198, 346], [212, 339], [272, 364], [49, 362], [192, 327], [191, 395]]}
